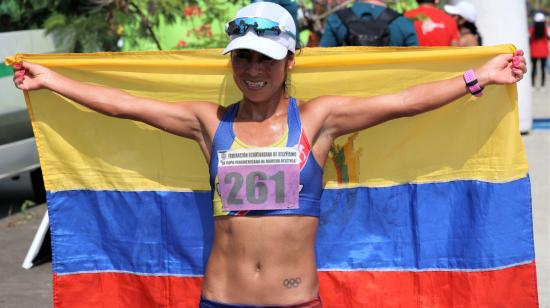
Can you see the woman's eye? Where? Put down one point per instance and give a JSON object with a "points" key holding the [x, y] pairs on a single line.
{"points": [[242, 56], [267, 60], [241, 59]]}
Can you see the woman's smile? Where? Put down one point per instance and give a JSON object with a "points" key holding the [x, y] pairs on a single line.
{"points": [[255, 85]]}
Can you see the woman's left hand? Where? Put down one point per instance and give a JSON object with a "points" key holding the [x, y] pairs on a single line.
{"points": [[503, 69]]}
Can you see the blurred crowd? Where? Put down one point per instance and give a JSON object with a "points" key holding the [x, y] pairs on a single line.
{"points": [[340, 22], [372, 23]]}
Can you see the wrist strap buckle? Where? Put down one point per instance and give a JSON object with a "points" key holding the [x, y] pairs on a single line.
{"points": [[472, 83]]}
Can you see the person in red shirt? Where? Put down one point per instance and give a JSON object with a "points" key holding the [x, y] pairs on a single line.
{"points": [[433, 26], [538, 41]]}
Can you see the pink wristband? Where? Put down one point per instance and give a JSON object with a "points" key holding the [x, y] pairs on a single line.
{"points": [[472, 83]]}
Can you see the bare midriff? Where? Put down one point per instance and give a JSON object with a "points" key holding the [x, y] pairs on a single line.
{"points": [[262, 260]]}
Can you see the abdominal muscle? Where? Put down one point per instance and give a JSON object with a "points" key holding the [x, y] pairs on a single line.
{"points": [[262, 260]]}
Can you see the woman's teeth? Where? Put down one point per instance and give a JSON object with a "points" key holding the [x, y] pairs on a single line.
{"points": [[255, 84]]}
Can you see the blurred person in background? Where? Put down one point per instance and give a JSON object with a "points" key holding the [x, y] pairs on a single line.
{"points": [[433, 26], [292, 7], [465, 15], [400, 30], [538, 42], [548, 32]]}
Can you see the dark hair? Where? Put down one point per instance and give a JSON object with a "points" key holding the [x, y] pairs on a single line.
{"points": [[473, 29], [286, 82], [426, 1], [540, 30]]}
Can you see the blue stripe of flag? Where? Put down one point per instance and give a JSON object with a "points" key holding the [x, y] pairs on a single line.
{"points": [[457, 225]]}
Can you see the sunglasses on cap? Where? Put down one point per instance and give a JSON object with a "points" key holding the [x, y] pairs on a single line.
{"points": [[262, 27]]}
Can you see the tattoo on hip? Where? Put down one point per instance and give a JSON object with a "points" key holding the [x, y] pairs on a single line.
{"points": [[291, 283]]}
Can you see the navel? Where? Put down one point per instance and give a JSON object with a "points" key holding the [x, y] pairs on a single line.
{"points": [[258, 267]]}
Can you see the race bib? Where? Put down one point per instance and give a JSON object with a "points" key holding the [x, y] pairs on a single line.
{"points": [[259, 179]]}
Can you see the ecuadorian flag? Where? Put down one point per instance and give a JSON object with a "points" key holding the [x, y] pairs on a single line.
{"points": [[428, 211]]}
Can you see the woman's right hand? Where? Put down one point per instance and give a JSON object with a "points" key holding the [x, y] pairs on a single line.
{"points": [[28, 76]]}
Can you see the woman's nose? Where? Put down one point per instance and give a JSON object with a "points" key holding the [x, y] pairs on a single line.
{"points": [[255, 67]]}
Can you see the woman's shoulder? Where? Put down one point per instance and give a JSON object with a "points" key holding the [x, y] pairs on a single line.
{"points": [[204, 106], [312, 101], [205, 111], [316, 105]]}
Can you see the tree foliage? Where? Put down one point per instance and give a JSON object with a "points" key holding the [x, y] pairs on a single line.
{"points": [[542, 5], [206, 20], [101, 25], [18, 15], [98, 25], [403, 5]]}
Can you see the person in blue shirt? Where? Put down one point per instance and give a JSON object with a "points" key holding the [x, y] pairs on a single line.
{"points": [[402, 32]]}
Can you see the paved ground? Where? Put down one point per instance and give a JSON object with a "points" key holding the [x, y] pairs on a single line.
{"points": [[537, 145], [21, 288]]}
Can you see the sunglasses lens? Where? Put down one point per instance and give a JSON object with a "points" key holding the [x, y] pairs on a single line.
{"points": [[235, 28], [274, 32], [262, 26]]}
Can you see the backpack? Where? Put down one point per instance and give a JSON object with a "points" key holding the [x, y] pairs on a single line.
{"points": [[367, 32]]}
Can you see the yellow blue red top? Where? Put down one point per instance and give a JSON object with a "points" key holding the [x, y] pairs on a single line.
{"points": [[311, 174]]}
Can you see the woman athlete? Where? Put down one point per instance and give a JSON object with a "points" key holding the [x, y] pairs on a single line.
{"points": [[266, 215]]}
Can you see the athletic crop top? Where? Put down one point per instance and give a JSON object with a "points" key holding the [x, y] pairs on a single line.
{"points": [[311, 174]]}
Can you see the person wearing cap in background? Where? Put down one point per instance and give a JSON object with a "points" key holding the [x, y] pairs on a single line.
{"points": [[401, 30], [263, 252], [538, 42], [465, 15], [433, 26]]}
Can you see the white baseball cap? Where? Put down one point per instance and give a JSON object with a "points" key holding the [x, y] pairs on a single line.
{"points": [[539, 17], [464, 9], [275, 47]]}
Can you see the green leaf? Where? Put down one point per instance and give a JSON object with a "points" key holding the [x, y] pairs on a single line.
{"points": [[39, 4], [11, 8], [54, 21]]}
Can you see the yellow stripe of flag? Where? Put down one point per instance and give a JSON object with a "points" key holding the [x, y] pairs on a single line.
{"points": [[469, 139]]}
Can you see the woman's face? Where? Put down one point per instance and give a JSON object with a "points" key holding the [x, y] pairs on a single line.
{"points": [[464, 31], [258, 76]]}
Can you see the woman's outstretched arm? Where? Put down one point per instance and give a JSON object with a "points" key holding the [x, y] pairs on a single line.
{"points": [[183, 119], [341, 115]]}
